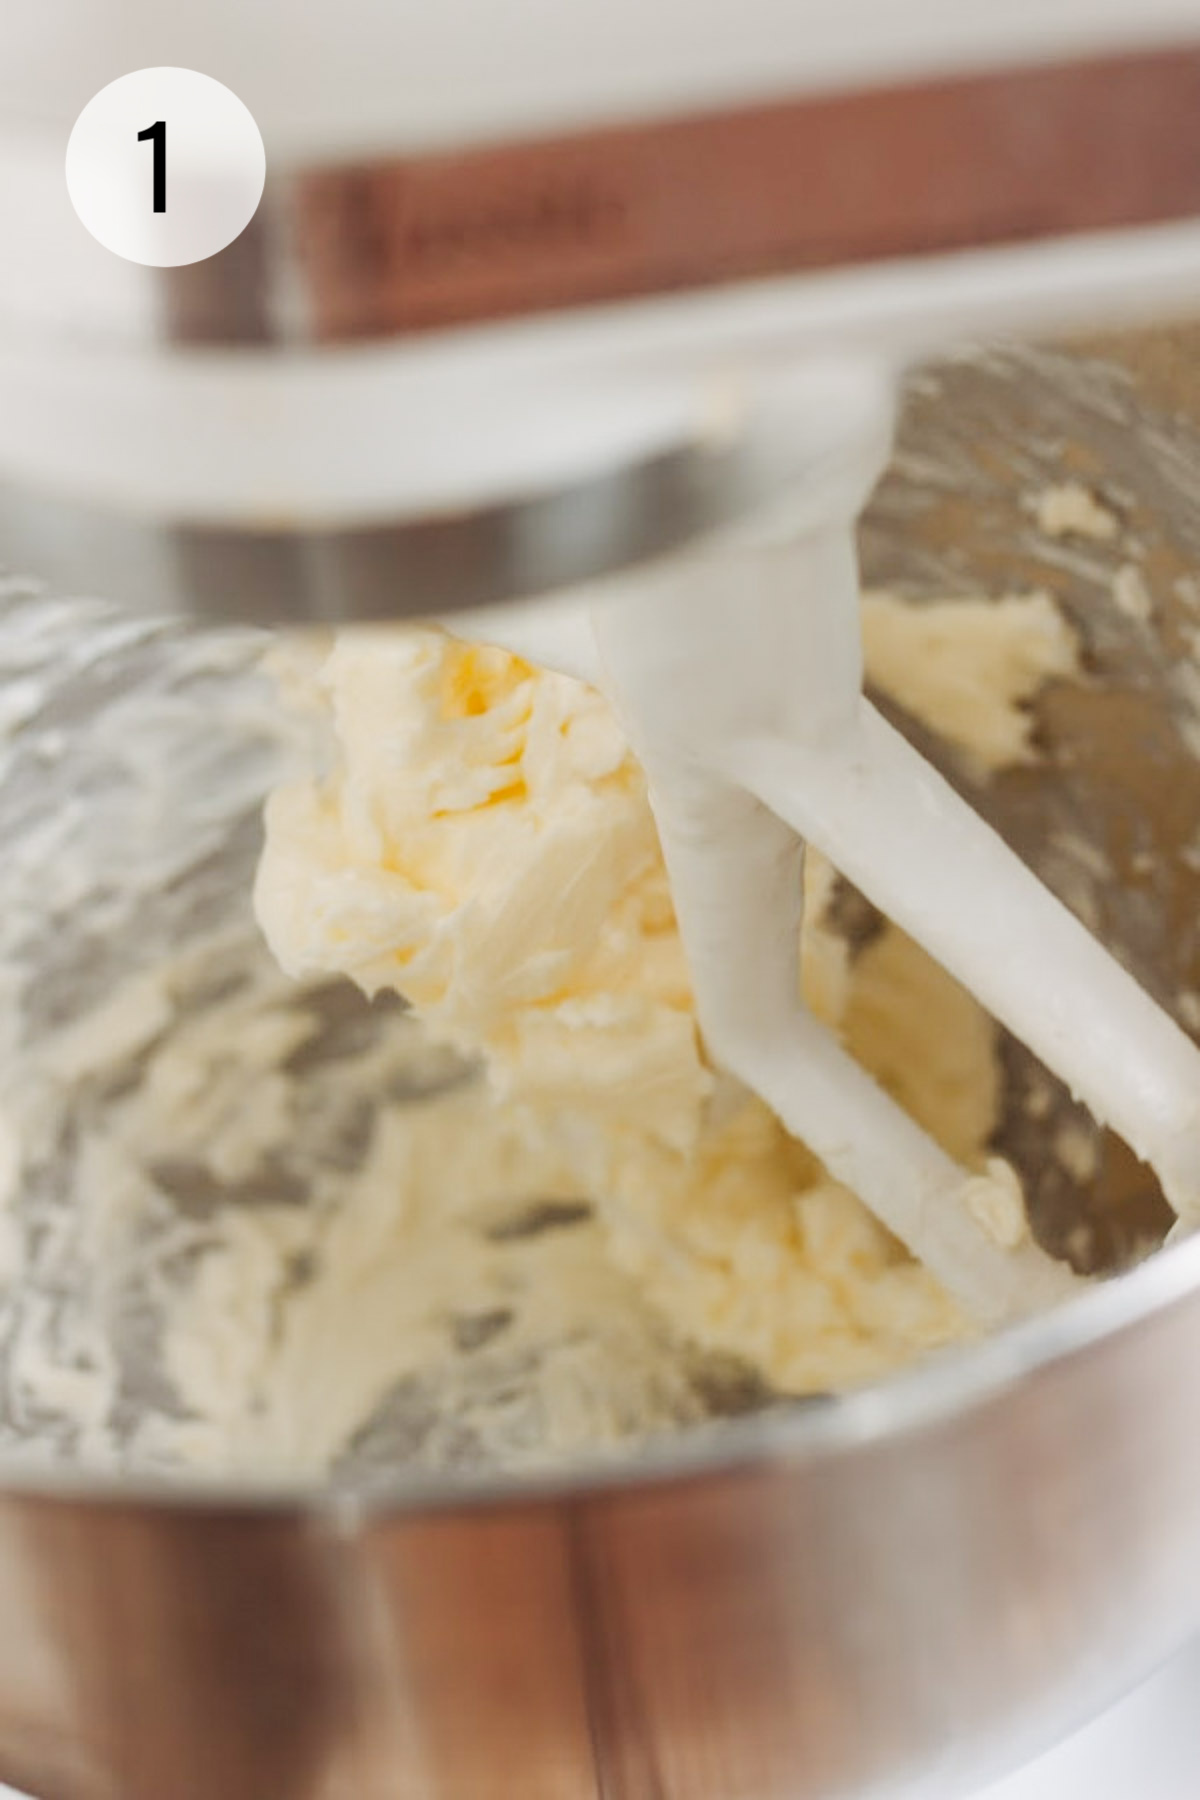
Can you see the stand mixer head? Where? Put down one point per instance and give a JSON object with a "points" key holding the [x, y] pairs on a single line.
{"points": [[506, 299], [293, 494]]}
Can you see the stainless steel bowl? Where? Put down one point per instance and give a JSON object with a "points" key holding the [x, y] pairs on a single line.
{"points": [[900, 1591]]}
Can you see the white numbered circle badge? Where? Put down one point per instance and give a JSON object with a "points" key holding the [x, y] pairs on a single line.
{"points": [[165, 166]]}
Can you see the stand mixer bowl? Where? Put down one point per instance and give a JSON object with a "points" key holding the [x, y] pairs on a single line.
{"points": [[899, 1591]]}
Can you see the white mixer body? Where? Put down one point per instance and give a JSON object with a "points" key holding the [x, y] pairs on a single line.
{"points": [[547, 346]]}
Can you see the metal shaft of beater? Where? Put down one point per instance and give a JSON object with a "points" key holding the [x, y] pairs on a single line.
{"points": [[738, 673]]}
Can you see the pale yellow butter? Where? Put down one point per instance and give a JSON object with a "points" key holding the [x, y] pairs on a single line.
{"points": [[484, 846]]}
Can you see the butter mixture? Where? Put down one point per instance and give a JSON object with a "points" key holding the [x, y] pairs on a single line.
{"points": [[255, 1225], [480, 842]]}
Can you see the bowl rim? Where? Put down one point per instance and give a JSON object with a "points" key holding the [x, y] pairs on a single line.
{"points": [[950, 1384]]}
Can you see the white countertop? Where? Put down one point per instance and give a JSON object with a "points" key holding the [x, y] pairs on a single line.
{"points": [[1147, 1748]]}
